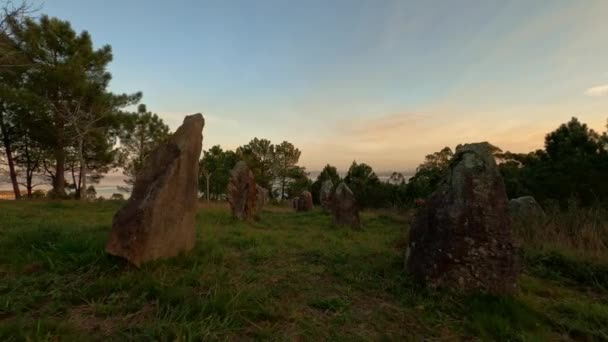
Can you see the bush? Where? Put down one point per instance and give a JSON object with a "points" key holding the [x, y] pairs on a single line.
{"points": [[38, 194], [117, 197]]}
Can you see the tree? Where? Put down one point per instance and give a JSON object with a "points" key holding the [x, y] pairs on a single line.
{"points": [[141, 133], [215, 167], [91, 193], [396, 178], [8, 134], [28, 158], [117, 197], [12, 14], [364, 183], [259, 154], [93, 115], [69, 74], [298, 183], [573, 164], [429, 174], [11, 78], [286, 156], [328, 173]]}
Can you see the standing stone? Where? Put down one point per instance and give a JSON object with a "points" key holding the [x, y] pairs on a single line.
{"points": [[344, 207], [158, 221], [303, 202], [462, 237], [262, 197], [525, 210], [242, 192], [325, 195]]}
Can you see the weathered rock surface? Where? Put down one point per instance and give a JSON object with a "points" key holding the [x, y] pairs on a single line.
{"points": [[262, 198], [242, 192], [325, 195], [303, 202], [344, 207], [525, 209], [462, 237], [158, 220]]}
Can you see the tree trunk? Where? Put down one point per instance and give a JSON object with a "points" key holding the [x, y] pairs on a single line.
{"points": [[59, 185], [83, 170], [208, 177], [76, 184], [29, 169], [9, 158]]}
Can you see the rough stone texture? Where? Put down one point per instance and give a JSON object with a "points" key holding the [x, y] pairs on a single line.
{"points": [[303, 202], [462, 237], [344, 207], [158, 221], [242, 192], [325, 195], [525, 210], [262, 198]]}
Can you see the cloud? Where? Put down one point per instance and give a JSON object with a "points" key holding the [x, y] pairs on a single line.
{"points": [[400, 141], [601, 90]]}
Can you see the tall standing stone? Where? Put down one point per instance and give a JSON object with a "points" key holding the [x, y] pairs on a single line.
{"points": [[303, 202], [344, 207], [325, 195], [242, 192], [158, 221], [462, 237]]}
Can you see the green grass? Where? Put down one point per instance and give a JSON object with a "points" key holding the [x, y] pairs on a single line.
{"points": [[288, 276]]}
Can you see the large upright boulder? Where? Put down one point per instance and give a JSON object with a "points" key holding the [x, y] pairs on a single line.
{"points": [[525, 210], [158, 221], [462, 237], [344, 207], [303, 202], [242, 192], [325, 195]]}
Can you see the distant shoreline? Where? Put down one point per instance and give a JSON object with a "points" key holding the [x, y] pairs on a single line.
{"points": [[109, 184]]}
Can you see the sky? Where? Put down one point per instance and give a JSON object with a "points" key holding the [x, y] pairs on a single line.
{"points": [[376, 81]]}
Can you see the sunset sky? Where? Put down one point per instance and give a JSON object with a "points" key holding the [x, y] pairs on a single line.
{"points": [[382, 82]]}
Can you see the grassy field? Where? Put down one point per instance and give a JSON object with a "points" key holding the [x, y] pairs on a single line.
{"points": [[290, 276]]}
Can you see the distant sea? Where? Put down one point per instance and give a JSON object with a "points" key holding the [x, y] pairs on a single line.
{"points": [[109, 184]]}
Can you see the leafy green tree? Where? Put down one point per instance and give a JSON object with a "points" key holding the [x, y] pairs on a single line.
{"points": [[11, 82], [70, 75], [397, 178], [92, 131], [215, 167], [28, 158], [140, 134], [38, 194], [91, 193], [364, 183], [259, 154], [573, 164], [286, 156], [429, 174], [9, 134], [328, 173], [298, 183]]}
